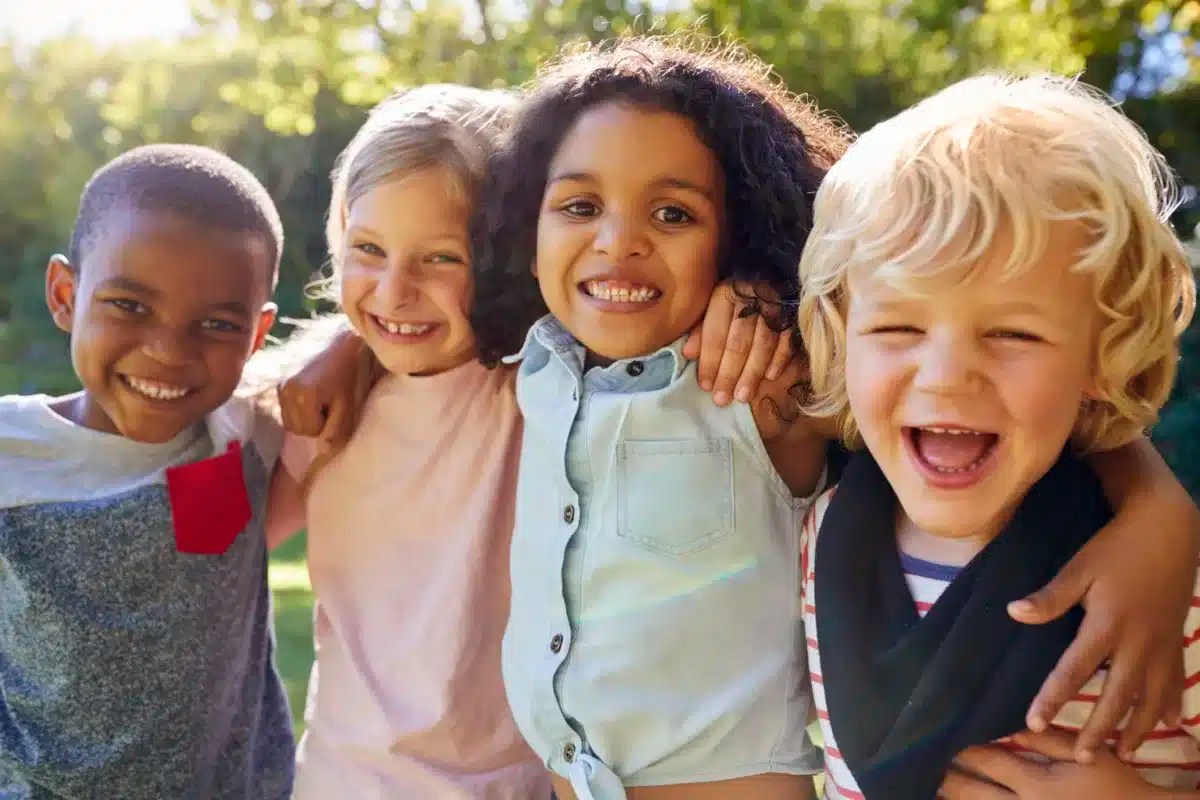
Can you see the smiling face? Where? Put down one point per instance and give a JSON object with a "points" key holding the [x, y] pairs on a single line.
{"points": [[406, 273], [163, 315], [629, 230], [967, 395]]}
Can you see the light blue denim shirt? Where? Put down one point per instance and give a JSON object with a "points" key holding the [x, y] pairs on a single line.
{"points": [[655, 634]]}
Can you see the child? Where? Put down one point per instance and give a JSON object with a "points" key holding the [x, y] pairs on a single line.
{"points": [[136, 644], [990, 290], [655, 637], [411, 578]]}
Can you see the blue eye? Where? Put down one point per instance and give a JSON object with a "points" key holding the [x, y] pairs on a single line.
{"points": [[370, 249], [446, 258]]}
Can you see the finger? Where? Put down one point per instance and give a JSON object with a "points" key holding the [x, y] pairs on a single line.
{"points": [[1120, 690], [713, 334], [782, 355], [738, 344], [761, 350], [996, 765], [691, 346], [1056, 598], [1055, 744], [961, 786], [1154, 703], [337, 421], [1091, 646]]}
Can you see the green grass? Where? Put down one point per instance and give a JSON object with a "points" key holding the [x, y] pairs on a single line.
{"points": [[292, 593]]}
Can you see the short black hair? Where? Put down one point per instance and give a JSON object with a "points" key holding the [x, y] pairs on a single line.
{"points": [[773, 149], [198, 184]]}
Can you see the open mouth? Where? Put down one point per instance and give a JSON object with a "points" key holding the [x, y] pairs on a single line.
{"points": [[951, 457], [406, 331], [621, 292], [156, 390]]}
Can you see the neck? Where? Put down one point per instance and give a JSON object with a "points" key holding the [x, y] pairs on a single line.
{"points": [[957, 551]]}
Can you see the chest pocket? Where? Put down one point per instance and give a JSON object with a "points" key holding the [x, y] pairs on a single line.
{"points": [[675, 496]]}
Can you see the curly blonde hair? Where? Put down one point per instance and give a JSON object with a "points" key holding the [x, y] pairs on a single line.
{"points": [[924, 195]]}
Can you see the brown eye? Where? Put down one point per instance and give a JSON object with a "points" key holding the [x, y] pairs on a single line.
{"points": [[582, 209], [672, 215]]}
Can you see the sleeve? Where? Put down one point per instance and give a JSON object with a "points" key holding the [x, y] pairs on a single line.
{"points": [[808, 540], [1190, 720]]}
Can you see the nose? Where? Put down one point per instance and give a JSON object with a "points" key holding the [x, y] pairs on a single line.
{"points": [[400, 285], [621, 237], [948, 363], [169, 346]]}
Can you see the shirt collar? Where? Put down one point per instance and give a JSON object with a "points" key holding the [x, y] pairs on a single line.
{"points": [[549, 336]]}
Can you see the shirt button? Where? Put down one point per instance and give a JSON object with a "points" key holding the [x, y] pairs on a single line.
{"points": [[569, 514], [569, 752], [635, 368], [556, 643]]}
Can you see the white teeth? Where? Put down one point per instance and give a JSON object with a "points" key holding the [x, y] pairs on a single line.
{"points": [[952, 431], [601, 291], [404, 328], [155, 390]]}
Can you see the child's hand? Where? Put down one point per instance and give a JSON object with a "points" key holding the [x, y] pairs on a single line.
{"points": [[1135, 579], [321, 399], [993, 773], [736, 347]]}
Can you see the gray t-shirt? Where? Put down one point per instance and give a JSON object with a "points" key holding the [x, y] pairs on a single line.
{"points": [[129, 669]]}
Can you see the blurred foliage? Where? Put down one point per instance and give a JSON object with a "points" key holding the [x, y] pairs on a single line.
{"points": [[281, 85]]}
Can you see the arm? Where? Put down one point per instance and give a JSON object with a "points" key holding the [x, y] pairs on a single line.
{"points": [[285, 508], [1135, 580], [993, 773], [323, 398], [794, 442]]}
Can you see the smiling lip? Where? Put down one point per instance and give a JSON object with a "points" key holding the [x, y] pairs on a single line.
{"points": [[155, 391], [962, 478], [619, 295], [404, 332]]}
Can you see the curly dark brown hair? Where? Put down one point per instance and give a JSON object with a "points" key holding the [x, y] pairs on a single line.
{"points": [[773, 148]]}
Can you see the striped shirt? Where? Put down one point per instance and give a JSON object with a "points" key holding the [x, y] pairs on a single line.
{"points": [[1169, 758]]}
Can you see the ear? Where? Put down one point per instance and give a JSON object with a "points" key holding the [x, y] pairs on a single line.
{"points": [[269, 311], [61, 286]]}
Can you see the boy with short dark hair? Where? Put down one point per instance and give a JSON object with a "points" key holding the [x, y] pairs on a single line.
{"points": [[136, 648]]}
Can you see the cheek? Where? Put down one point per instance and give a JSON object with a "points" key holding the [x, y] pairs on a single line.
{"points": [[1044, 397], [873, 383]]}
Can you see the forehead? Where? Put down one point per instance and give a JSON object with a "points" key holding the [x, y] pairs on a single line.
{"points": [[175, 255], [430, 202], [1042, 275], [620, 140]]}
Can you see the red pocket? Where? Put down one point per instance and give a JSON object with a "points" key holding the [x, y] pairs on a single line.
{"points": [[209, 503]]}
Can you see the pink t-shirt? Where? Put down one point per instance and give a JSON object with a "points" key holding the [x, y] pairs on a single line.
{"points": [[408, 545]]}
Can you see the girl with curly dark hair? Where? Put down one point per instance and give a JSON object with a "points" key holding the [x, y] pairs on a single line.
{"points": [[652, 641]]}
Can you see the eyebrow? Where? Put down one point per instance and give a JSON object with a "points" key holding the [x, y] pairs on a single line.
{"points": [[667, 181], [137, 287], [443, 236]]}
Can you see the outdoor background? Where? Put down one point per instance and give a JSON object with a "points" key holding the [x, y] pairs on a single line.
{"points": [[281, 85]]}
